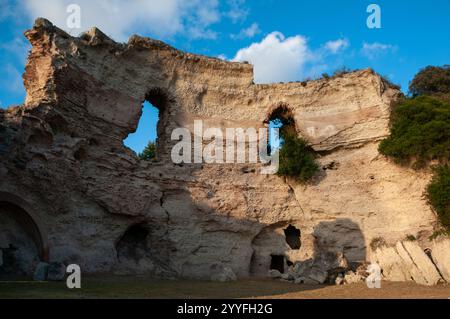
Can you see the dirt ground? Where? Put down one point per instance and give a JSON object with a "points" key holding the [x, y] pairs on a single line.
{"points": [[138, 287]]}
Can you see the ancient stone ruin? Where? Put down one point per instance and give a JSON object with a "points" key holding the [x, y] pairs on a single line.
{"points": [[72, 193]]}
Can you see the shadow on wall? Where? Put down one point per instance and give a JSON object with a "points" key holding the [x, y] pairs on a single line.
{"points": [[341, 236], [183, 230], [20, 243], [339, 246], [279, 246]]}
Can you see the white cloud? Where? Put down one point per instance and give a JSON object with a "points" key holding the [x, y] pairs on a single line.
{"points": [[249, 32], [375, 50], [120, 19], [237, 12], [276, 58], [337, 45]]}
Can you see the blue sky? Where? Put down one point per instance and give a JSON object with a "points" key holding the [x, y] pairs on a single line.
{"points": [[285, 40]]}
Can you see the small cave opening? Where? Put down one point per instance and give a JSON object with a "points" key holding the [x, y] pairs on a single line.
{"points": [[133, 244], [293, 237], [277, 263]]}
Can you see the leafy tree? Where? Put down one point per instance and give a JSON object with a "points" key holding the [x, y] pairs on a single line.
{"points": [[296, 158], [432, 80], [149, 153], [420, 131], [438, 193]]}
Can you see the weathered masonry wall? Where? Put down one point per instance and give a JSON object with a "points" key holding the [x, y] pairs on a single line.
{"points": [[97, 205]]}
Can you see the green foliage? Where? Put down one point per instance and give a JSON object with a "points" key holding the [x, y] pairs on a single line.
{"points": [[438, 193], [420, 131], [432, 80], [296, 158], [149, 153], [439, 233]]}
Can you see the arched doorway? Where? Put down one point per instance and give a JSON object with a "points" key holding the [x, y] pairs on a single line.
{"points": [[22, 244]]}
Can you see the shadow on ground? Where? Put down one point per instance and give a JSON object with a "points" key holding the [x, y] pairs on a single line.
{"points": [[142, 288], [138, 287]]}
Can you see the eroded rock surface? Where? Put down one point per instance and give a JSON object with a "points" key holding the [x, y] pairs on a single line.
{"points": [[406, 261], [95, 204]]}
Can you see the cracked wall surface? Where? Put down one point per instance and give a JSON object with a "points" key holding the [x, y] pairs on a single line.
{"points": [[62, 153]]}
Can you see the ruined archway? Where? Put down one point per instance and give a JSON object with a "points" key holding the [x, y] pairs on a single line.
{"points": [[22, 243]]}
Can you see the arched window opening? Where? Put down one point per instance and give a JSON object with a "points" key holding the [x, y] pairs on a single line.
{"points": [[145, 142], [280, 118], [296, 157]]}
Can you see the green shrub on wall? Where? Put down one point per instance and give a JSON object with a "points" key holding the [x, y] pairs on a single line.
{"points": [[297, 159], [438, 193], [420, 131]]}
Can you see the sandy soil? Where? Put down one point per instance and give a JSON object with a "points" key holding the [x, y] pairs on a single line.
{"points": [[138, 287]]}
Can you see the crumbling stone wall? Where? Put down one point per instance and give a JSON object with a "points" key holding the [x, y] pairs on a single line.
{"points": [[62, 153]]}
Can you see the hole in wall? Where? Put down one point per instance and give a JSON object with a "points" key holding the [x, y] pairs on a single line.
{"points": [[133, 244], [292, 237], [281, 118], [277, 263], [146, 141]]}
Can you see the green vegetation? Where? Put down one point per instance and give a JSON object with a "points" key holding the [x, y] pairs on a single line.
{"points": [[439, 233], [420, 131], [149, 153], [432, 80], [296, 158], [438, 193]]}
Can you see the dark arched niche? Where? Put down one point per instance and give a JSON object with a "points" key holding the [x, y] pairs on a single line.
{"points": [[22, 230]]}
